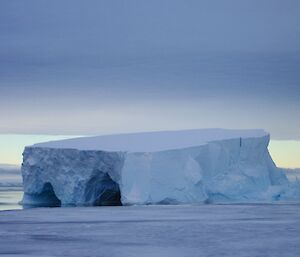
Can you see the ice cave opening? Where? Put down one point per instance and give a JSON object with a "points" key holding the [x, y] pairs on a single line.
{"points": [[46, 198], [103, 191]]}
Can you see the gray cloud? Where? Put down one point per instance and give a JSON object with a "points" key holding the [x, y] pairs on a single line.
{"points": [[105, 63]]}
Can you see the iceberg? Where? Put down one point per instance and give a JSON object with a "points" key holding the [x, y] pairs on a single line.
{"points": [[165, 167]]}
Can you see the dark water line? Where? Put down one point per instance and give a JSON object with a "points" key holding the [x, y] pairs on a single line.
{"points": [[10, 198]]}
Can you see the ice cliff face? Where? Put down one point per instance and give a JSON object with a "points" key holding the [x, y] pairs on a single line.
{"points": [[181, 167], [71, 177]]}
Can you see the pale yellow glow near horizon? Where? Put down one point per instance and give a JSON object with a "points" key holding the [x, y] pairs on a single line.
{"points": [[12, 145], [285, 153]]}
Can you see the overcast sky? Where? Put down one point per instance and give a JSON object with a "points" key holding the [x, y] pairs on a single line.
{"points": [[94, 67]]}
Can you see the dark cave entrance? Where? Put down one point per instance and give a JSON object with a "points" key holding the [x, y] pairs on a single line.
{"points": [[46, 198], [103, 191], [49, 197]]}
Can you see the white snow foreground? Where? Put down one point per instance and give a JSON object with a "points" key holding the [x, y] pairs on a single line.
{"points": [[170, 167]]}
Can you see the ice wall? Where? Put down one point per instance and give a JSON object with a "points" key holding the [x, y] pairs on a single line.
{"points": [[236, 169], [221, 171], [76, 177]]}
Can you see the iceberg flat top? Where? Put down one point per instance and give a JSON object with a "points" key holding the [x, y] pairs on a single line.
{"points": [[152, 141]]}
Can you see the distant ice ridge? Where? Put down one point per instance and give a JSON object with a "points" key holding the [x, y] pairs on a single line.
{"points": [[293, 174], [170, 167], [10, 177]]}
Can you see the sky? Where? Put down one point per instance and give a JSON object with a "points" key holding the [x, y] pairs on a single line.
{"points": [[102, 67]]}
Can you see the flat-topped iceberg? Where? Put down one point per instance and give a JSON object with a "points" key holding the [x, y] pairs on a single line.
{"points": [[169, 167]]}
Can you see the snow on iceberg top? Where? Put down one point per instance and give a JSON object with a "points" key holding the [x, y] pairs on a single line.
{"points": [[152, 141]]}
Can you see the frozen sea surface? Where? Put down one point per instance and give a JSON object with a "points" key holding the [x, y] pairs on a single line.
{"points": [[11, 190], [173, 231], [10, 198]]}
